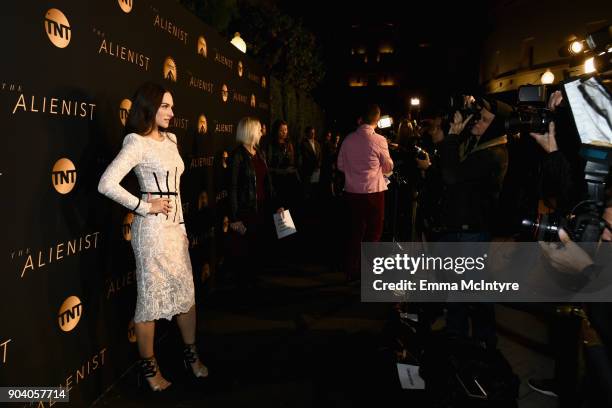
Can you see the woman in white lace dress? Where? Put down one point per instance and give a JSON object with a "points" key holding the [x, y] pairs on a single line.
{"points": [[159, 240]]}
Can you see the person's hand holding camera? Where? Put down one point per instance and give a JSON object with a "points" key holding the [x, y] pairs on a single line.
{"points": [[555, 100], [458, 124], [547, 140], [566, 257]]}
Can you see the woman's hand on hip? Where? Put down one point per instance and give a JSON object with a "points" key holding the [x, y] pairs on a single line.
{"points": [[239, 227], [159, 205]]}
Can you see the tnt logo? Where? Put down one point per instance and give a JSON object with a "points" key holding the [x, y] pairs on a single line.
{"points": [[202, 125], [57, 28], [70, 313], [224, 93], [64, 176], [126, 227], [170, 69], [124, 110], [126, 5], [202, 46]]}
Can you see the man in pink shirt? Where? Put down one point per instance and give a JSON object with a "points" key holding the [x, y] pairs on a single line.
{"points": [[364, 159]]}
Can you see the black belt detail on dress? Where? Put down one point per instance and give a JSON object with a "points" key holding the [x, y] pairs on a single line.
{"points": [[162, 193], [167, 187], [157, 182], [175, 207]]}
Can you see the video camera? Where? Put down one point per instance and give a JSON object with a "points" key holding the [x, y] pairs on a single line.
{"points": [[466, 105], [530, 115]]}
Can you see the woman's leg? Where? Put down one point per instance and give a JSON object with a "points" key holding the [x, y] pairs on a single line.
{"points": [[187, 325], [145, 334]]}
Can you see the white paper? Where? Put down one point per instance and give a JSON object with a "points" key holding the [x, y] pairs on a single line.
{"points": [[593, 126], [409, 377], [284, 225]]}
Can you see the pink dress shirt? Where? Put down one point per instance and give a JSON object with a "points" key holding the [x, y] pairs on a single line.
{"points": [[363, 158]]}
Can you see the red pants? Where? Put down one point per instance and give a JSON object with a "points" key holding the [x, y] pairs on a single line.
{"points": [[367, 213]]}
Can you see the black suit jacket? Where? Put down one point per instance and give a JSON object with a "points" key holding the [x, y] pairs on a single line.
{"points": [[309, 159]]}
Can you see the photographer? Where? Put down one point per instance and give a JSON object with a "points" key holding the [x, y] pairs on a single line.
{"points": [[473, 160], [473, 163], [572, 262]]}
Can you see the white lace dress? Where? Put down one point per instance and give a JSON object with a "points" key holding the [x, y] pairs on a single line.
{"points": [[164, 279]]}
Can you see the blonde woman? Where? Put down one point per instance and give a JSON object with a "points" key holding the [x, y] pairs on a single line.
{"points": [[251, 197]]}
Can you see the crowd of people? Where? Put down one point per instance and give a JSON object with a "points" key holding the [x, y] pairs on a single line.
{"points": [[453, 170]]}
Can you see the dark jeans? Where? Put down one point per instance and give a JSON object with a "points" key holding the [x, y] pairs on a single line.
{"points": [[367, 213], [482, 315]]}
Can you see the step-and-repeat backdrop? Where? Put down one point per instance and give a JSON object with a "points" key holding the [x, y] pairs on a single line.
{"points": [[69, 69]]}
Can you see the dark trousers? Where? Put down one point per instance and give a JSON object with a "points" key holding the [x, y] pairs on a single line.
{"points": [[482, 315], [366, 212]]}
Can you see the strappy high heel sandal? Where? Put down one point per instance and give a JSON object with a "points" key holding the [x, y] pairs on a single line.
{"points": [[148, 369], [190, 355]]}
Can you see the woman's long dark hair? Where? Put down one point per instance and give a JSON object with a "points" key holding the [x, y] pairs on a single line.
{"points": [[273, 136], [145, 104]]}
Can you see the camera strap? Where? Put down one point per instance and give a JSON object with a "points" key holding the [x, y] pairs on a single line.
{"points": [[464, 152], [471, 144]]}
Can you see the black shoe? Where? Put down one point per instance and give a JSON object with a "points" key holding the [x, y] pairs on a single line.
{"points": [[544, 386], [190, 355], [148, 369]]}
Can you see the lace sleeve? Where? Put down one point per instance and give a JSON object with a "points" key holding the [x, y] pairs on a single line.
{"points": [[129, 156]]}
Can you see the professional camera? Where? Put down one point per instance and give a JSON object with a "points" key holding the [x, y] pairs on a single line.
{"points": [[466, 105], [530, 114], [583, 224]]}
